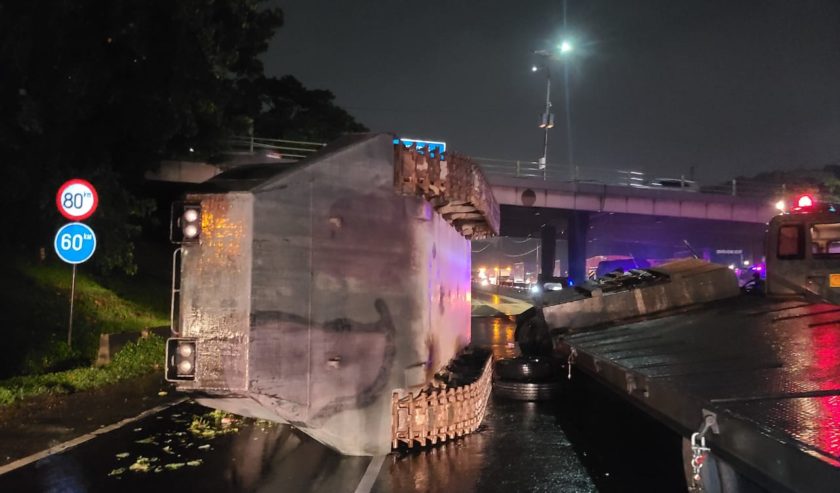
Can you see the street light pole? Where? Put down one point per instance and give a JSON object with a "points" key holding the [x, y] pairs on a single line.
{"points": [[568, 108], [548, 118]]}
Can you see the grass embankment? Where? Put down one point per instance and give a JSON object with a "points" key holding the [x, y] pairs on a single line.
{"points": [[34, 355], [133, 360]]}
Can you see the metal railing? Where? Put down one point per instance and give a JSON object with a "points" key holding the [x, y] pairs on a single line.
{"points": [[559, 173], [294, 150], [285, 149]]}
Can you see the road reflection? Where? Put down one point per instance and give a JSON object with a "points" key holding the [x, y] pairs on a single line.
{"points": [[497, 333], [520, 447]]}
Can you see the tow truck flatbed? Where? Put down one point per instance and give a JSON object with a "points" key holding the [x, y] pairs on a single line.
{"points": [[767, 369]]}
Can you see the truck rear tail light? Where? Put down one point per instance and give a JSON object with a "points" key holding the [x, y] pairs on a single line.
{"points": [[180, 359], [186, 222]]}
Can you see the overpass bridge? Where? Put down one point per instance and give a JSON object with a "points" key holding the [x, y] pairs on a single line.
{"points": [[590, 211], [593, 213], [523, 183]]}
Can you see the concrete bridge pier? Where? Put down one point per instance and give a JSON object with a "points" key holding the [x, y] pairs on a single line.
{"points": [[576, 236], [548, 252]]}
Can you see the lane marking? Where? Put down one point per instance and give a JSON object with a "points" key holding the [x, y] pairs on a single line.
{"points": [[371, 473], [84, 438]]}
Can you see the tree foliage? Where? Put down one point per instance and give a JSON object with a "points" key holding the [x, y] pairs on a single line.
{"points": [[105, 90], [292, 111], [822, 182]]}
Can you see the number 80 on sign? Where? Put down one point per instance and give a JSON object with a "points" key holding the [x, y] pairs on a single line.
{"points": [[76, 199], [75, 243]]}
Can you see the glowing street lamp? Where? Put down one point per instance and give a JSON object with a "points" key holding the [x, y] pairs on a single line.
{"points": [[547, 118]]}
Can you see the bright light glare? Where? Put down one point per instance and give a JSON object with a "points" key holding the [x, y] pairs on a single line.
{"points": [[565, 47], [731, 266], [535, 289], [190, 215], [805, 201], [485, 282], [534, 68], [780, 205], [746, 262], [190, 231], [185, 366]]}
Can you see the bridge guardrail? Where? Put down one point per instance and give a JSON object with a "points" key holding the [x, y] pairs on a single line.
{"points": [[558, 173], [286, 149], [294, 150]]}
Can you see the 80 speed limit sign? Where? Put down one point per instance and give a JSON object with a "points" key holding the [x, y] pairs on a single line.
{"points": [[76, 199]]}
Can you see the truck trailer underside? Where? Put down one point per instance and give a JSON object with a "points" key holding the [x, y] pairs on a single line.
{"points": [[767, 371]]}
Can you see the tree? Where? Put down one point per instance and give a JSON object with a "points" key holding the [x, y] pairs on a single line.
{"points": [[106, 89], [290, 110]]}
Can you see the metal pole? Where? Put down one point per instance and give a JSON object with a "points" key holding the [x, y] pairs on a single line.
{"points": [[568, 101], [567, 98], [547, 111], [72, 296]]}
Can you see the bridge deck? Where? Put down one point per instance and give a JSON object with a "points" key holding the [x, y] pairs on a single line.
{"points": [[769, 370]]}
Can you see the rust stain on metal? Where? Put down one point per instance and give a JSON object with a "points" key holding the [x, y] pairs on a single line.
{"points": [[219, 233], [456, 187], [435, 415]]}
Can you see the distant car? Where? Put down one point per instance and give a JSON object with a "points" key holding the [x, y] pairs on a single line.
{"points": [[607, 266], [675, 184]]}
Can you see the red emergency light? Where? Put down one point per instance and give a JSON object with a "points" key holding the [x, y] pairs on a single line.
{"points": [[804, 201]]}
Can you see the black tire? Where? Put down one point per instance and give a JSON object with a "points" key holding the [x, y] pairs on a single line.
{"points": [[532, 333], [526, 391], [523, 369]]}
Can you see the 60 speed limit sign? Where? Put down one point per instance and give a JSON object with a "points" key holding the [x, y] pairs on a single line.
{"points": [[75, 243], [76, 199]]}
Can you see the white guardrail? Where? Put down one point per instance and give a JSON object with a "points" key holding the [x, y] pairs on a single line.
{"points": [[553, 172], [293, 150]]}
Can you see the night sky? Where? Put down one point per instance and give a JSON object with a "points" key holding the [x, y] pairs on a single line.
{"points": [[729, 87]]}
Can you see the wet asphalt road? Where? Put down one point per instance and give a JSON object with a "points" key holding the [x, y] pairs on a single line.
{"points": [[586, 441]]}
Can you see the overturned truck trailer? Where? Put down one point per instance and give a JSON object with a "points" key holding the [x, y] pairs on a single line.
{"points": [[322, 293]]}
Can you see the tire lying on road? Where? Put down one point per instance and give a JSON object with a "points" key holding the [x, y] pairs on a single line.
{"points": [[526, 391], [532, 333], [523, 369]]}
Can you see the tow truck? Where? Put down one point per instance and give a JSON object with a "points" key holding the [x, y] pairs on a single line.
{"points": [[749, 377]]}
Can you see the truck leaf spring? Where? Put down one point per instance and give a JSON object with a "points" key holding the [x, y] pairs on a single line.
{"points": [[437, 415]]}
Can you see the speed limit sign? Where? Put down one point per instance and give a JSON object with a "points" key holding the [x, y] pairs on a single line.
{"points": [[76, 199]]}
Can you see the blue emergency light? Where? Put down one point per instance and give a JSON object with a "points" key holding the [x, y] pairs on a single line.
{"points": [[423, 146]]}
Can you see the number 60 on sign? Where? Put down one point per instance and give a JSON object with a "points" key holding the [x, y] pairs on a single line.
{"points": [[75, 243]]}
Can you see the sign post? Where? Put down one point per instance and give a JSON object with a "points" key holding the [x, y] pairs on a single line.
{"points": [[75, 242]]}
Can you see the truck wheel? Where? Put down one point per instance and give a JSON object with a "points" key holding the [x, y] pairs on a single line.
{"points": [[532, 333], [717, 476], [523, 368], [526, 391]]}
